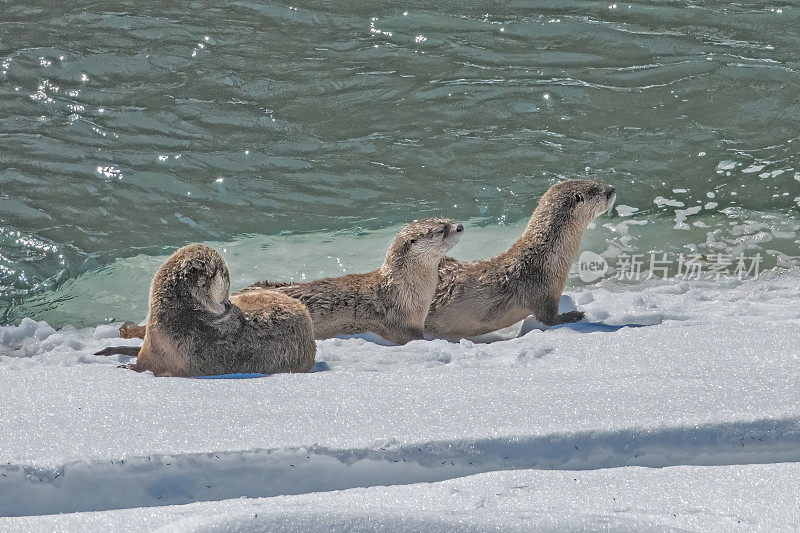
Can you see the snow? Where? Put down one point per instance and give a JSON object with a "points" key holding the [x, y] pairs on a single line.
{"points": [[625, 499], [542, 430]]}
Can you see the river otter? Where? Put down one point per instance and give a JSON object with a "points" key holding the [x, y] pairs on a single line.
{"points": [[483, 296], [391, 301], [195, 329]]}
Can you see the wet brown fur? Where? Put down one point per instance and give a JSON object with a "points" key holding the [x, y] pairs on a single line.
{"points": [[392, 301], [474, 298], [195, 329]]}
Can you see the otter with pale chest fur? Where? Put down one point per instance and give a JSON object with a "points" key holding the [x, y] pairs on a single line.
{"points": [[474, 298], [195, 329], [392, 301]]}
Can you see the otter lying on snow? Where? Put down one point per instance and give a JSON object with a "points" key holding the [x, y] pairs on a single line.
{"points": [[195, 329], [392, 301], [484, 296]]}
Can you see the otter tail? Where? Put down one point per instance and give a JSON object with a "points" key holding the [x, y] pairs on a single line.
{"points": [[132, 351]]}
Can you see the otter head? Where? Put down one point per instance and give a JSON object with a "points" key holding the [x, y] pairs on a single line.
{"points": [[423, 243], [197, 279], [582, 199], [575, 203]]}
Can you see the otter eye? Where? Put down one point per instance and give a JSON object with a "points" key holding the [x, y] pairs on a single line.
{"points": [[578, 197], [413, 241]]}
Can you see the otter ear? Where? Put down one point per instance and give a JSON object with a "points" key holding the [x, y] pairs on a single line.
{"points": [[578, 197]]}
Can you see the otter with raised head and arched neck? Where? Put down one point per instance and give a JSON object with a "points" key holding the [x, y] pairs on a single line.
{"points": [[391, 301], [474, 298]]}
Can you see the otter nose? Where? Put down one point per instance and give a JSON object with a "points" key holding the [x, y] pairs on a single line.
{"points": [[610, 190], [459, 228]]}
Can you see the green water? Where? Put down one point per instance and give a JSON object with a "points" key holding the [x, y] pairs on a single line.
{"points": [[129, 129]]}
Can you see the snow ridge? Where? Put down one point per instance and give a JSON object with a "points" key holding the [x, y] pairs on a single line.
{"points": [[177, 479]]}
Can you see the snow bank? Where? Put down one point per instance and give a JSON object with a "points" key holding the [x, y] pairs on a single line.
{"points": [[668, 373], [751, 498]]}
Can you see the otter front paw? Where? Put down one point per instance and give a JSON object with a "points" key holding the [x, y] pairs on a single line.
{"points": [[403, 335], [568, 318]]}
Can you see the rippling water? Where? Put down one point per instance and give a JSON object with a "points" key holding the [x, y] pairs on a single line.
{"points": [[128, 129]]}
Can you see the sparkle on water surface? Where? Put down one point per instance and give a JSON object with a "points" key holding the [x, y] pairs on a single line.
{"points": [[318, 126]]}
